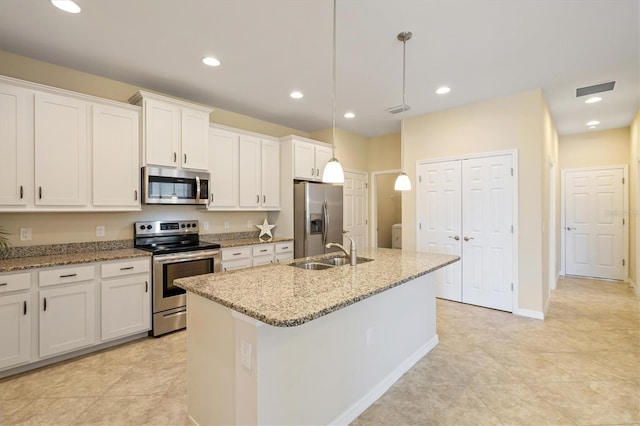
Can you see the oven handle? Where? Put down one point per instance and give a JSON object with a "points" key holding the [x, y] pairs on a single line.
{"points": [[184, 257]]}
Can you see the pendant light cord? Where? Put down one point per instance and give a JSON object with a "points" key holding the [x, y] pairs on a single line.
{"points": [[333, 88], [404, 103]]}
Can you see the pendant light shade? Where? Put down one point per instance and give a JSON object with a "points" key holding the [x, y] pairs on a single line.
{"points": [[403, 183], [333, 172]]}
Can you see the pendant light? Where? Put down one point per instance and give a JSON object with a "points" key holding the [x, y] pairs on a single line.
{"points": [[333, 172], [403, 183]]}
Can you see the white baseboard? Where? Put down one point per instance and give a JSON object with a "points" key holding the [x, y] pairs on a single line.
{"points": [[546, 306], [352, 413], [529, 313]]}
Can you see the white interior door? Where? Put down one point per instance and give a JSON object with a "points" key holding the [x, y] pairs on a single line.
{"points": [[487, 228], [440, 218], [355, 208], [594, 233]]}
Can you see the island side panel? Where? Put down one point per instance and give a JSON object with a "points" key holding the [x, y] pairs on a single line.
{"points": [[331, 369], [211, 375]]}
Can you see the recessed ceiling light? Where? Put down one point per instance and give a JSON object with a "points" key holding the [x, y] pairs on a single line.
{"points": [[593, 100], [593, 123], [296, 95], [443, 90], [349, 115], [66, 5], [211, 61]]}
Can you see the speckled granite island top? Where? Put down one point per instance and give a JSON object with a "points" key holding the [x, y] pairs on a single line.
{"points": [[285, 296], [18, 264]]}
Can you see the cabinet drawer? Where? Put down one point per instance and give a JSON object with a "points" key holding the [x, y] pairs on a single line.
{"points": [[236, 253], [15, 282], [66, 275], [124, 267], [284, 247], [263, 249]]}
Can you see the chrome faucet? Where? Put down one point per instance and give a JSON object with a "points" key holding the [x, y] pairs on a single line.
{"points": [[351, 254]]}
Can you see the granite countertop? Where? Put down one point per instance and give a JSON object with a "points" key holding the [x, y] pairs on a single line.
{"points": [[251, 241], [284, 296], [24, 263]]}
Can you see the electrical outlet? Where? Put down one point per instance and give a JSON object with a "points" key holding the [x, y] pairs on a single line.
{"points": [[245, 354], [100, 231], [226, 224], [25, 234], [205, 225], [249, 223]]}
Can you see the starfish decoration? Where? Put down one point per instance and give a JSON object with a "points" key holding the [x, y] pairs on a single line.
{"points": [[265, 229]]}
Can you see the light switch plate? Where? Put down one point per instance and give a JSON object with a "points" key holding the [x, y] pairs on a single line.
{"points": [[25, 234], [100, 231]]}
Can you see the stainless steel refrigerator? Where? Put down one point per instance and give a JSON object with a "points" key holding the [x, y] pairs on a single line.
{"points": [[317, 218]]}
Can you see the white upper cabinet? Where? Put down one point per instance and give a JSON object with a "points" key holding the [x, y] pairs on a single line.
{"points": [[223, 168], [60, 150], [245, 170], [175, 133], [309, 159], [16, 145], [116, 164]]}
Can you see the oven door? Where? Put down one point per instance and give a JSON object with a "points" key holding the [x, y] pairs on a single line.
{"points": [[169, 267]]}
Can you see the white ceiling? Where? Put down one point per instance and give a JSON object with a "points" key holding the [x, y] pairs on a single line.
{"points": [[481, 48]]}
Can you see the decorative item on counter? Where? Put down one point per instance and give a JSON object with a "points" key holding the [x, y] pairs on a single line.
{"points": [[265, 229], [4, 241]]}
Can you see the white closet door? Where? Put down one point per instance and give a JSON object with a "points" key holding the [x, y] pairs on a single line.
{"points": [[487, 223], [440, 218], [355, 208], [594, 232]]}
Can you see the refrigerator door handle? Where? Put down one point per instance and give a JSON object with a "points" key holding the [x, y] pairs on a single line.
{"points": [[325, 223]]}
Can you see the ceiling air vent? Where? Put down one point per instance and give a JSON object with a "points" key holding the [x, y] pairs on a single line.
{"points": [[398, 109], [596, 88]]}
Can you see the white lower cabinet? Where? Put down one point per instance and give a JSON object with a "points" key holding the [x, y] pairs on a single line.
{"points": [[125, 299], [255, 255], [15, 332], [262, 254], [283, 252], [67, 318], [234, 258]]}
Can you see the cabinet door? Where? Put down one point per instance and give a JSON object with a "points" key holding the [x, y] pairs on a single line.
{"points": [[126, 306], [15, 333], [195, 139], [250, 174], [262, 260], [270, 174], [162, 133], [223, 167], [323, 155], [15, 139], [304, 160], [116, 166], [67, 318], [233, 265], [60, 151]]}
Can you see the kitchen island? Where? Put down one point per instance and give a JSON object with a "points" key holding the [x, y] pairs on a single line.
{"points": [[284, 345]]}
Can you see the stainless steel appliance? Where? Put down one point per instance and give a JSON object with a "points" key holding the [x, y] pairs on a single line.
{"points": [[317, 218], [177, 253], [171, 186]]}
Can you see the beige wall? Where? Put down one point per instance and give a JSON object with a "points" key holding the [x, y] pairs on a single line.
{"points": [[634, 208], [351, 148], [384, 152], [594, 149], [48, 228], [508, 123]]}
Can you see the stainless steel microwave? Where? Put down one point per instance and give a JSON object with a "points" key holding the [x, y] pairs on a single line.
{"points": [[171, 186]]}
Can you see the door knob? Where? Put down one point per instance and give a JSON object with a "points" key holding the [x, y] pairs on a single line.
{"points": [[455, 238], [468, 238]]}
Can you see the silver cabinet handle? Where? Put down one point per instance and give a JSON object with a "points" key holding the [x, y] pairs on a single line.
{"points": [[175, 157], [21, 192], [40, 193], [3, 284], [135, 195], [264, 198], [237, 254], [146, 286], [455, 238], [258, 199], [45, 304], [468, 238], [24, 308], [212, 197], [185, 159], [126, 268], [68, 275], [570, 228], [317, 172], [313, 171]]}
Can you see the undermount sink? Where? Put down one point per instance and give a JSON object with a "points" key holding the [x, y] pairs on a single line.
{"points": [[313, 266], [328, 263]]}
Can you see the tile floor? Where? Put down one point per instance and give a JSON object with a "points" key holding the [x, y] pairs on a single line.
{"points": [[580, 366]]}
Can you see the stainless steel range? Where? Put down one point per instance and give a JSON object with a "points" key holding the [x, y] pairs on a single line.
{"points": [[177, 253]]}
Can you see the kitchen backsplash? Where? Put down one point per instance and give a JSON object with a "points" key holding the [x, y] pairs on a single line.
{"points": [[71, 248]]}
